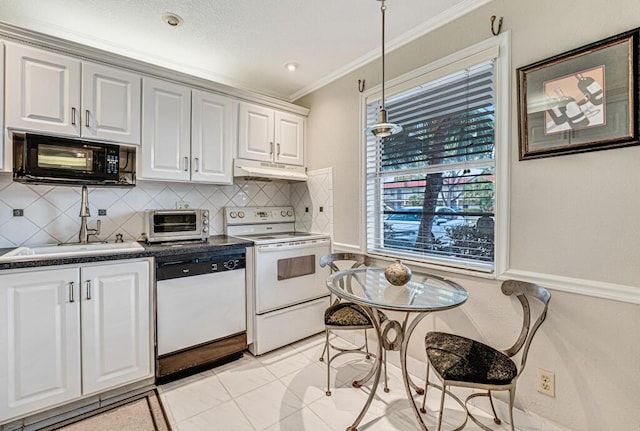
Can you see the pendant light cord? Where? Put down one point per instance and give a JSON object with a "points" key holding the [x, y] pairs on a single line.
{"points": [[382, 9]]}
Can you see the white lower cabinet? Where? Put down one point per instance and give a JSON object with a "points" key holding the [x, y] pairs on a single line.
{"points": [[39, 340], [116, 325], [71, 332]]}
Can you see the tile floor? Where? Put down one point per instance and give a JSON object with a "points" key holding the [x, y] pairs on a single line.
{"points": [[285, 390]]}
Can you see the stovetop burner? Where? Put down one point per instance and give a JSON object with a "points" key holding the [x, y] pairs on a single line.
{"points": [[265, 225], [279, 237]]}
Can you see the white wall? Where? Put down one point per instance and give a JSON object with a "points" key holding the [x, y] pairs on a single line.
{"points": [[573, 219]]}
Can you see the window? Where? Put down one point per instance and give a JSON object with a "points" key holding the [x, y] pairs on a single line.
{"points": [[431, 189]]}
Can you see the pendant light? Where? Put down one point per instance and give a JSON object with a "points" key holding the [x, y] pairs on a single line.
{"points": [[383, 127]]}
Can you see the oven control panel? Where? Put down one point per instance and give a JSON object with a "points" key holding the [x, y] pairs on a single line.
{"points": [[257, 215]]}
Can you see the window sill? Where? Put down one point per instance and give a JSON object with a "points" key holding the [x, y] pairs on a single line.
{"points": [[480, 271]]}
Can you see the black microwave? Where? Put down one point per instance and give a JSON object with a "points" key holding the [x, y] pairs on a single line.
{"points": [[57, 160]]}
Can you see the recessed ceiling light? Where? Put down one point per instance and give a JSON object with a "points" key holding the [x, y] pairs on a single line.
{"points": [[172, 19], [291, 66]]}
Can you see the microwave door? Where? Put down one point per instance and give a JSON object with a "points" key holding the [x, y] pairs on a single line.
{"points": [[57, 157]]}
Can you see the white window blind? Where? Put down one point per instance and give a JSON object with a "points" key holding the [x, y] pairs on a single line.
{"points": [[431, 188]]}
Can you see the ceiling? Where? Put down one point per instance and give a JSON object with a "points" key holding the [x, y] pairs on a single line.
{"points": [[242, 43]]}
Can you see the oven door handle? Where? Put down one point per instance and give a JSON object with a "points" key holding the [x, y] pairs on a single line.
{"points": [[274, 247]]}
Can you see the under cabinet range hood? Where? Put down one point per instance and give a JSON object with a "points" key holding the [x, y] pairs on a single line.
{"points": [[256, 170]]}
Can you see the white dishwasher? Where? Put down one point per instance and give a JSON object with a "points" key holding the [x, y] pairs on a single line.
{"points": [[200, 311]]}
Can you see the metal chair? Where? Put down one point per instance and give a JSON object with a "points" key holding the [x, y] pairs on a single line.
{"points": [[347, 316], [460, 361]]}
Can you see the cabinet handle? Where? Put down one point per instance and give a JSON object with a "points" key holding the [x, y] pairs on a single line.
{"points": [[86, 118], [186, 164], [73, 116], [196, 162], [88, 282], [278, 154], [270, 148], [71, 292]]}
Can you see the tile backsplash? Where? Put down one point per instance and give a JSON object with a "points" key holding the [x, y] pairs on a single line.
{"points": [[313, 202], [51, 213]]}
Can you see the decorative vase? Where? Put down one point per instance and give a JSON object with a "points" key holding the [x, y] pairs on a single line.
{"points": [[398, 273]]}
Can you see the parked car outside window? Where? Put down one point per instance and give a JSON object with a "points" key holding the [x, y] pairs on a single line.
{"points": [[401, 227]]}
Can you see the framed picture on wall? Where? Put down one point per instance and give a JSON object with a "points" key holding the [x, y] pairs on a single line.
{"points": [[582, 100]]}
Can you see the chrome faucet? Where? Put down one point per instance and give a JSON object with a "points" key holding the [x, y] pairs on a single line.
{"points": [[85, 232]]}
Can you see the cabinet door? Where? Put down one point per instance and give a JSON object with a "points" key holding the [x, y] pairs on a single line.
{"points": [[166, 130], [110, 104], [39, 340], [289, 138], [42, 91], [255, 132], [211, 138], [116, 330]]}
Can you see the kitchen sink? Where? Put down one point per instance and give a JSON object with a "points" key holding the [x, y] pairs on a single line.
{"points": [[71, 250]]}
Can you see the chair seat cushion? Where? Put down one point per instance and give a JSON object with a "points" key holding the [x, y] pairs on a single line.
{"points": [[348, 314], [464, 360]]}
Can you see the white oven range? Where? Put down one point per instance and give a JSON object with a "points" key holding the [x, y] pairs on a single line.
{"points": [[286, 290]]}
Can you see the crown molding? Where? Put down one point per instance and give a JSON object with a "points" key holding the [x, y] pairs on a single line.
{"points": [[83, 52], [429, 25]]}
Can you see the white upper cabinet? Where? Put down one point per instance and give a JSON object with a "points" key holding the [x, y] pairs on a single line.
{"points": [[212, 132], [255, 132], [166, 130], [111, 104], [187, 135], [42, 91], [269, 135], [53, 93], [289, 137]]}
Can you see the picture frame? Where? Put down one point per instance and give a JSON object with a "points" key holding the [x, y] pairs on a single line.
{"points": [[582, 100]]}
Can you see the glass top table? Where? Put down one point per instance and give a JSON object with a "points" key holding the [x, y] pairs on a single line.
{"points": [[423, 294]]}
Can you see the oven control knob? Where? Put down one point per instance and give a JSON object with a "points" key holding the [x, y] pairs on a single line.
{"points": [[205, 213], [205, 222], [289, 213], [233, 214], [205, 229], [241, 214], [283, 213], [230, 264]]}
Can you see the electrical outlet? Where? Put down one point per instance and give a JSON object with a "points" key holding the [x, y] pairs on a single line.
{"points": [[102, 212], [18, 213], [546, 382]]}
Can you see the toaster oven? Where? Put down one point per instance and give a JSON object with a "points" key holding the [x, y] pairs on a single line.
{"points": [[176, 225]]}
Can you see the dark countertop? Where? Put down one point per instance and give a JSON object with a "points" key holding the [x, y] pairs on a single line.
{"points": [[215, 243]]}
